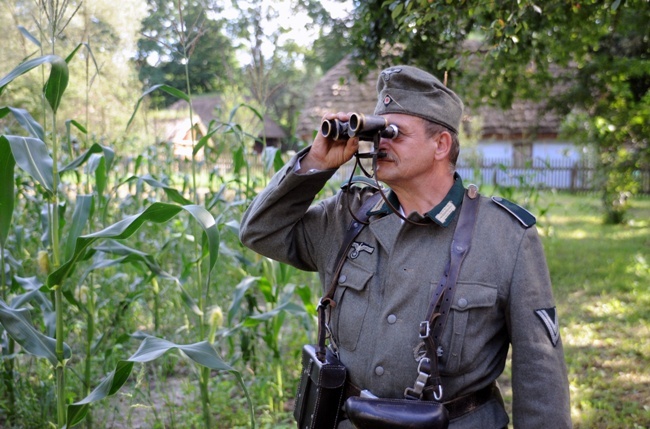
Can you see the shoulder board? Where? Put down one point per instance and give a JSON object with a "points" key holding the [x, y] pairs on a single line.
{"points": [[525, 217], [360, 181]]}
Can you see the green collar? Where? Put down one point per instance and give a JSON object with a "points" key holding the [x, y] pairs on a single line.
{"points": [[442, 214]]}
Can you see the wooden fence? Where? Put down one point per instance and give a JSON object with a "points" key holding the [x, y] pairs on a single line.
{"points": [[564, 174], [560, 174]]}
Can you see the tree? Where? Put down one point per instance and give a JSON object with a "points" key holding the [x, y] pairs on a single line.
{"points": [[597, 53], [281, 69], [176, 33]]}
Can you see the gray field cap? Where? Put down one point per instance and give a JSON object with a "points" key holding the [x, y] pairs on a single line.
{"points": [[411, 91]]}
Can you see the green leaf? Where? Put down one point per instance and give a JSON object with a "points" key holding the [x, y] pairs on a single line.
{"points": [[76, 124], [240, 292], [163, 87], [98, 165], [133, 255], [7, 191], [260, 318], [204, 140], [32, 156], [209, 226], [29, 65], [256, 112], [29, 36], [397, 11], [57, 83], [157, 212], [172, 193], [25, 120], [238, 160], [150, 349], [82, 212], [19, 325], [108, 153]]}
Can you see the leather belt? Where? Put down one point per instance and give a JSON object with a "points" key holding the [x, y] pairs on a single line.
{"points": [[456, 407], [468, 403]]}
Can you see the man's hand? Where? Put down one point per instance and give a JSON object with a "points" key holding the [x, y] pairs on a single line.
{"points": [[326, 153]]}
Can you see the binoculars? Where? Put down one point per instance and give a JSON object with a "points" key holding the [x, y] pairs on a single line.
{"points": [[365, 127]]}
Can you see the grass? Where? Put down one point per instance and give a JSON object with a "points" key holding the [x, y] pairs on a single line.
{"points": [[601, 281], [601, 275]]}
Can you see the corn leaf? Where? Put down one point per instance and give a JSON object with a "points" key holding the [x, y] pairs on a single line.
{"points": [[240, 292], [205, 139], [163, 87], [150, 349], [261, 318], [209, 225], [7, 191], [96, 148], [18, 323], [25, 120], [172, 193], [97, 164], [129, 254], [32, 156], [158, 213], [82, 211], [55, 84], [29, 36]]}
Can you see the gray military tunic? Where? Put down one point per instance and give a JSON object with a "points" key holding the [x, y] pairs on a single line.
{"points": [[503, 295]]}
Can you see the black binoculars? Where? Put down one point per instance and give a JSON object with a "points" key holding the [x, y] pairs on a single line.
{"points": [[362, 126]]}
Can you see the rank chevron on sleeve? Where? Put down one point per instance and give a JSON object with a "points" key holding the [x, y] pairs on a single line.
{"points": [[549, 318]]}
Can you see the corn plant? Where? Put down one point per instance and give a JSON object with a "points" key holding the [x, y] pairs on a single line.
{"points": [[31, 154]]}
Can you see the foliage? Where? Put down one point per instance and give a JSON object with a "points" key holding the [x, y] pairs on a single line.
{"points": [[100, 69], [176, 34], [592, 58], [600, 275], [37, 156]]}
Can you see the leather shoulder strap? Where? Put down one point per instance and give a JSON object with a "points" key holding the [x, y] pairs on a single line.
{"points": [[356, 225], [433, 326]]}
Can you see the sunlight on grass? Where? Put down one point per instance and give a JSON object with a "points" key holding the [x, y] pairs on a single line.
{"points": [[601, 280]]}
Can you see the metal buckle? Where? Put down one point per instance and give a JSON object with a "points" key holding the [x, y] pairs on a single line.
{"points": [[321, 304], [415, 392], [425, 329], [438, 395]]}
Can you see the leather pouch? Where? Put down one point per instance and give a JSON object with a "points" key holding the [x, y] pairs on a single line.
{"points": [[320, 393], [378, 413]]}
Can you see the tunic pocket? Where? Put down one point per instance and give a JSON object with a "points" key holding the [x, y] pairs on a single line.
{"points": [[474, 314], [352, 298]]}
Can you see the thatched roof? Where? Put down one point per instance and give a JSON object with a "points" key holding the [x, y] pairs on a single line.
{"points": [[340, 90], [272, 130]]}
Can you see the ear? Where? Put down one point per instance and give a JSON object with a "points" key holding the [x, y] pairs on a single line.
{"points": [[444, 146]]}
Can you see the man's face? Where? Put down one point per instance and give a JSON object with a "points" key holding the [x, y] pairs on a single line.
{"points": [[410, 156]]}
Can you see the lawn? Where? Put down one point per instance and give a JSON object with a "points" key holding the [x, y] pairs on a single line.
{"points": [[601, 279]]}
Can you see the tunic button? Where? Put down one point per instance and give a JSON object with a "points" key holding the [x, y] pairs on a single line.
{"points": [[462, 303], [391, 319], [379, 370], [343, 278]]}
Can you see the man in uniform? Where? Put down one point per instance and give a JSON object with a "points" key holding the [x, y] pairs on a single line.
{"points": [[503, 295]]}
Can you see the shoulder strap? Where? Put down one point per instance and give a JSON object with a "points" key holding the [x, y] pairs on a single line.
{"points": [[359, 221], [433, 326]]}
